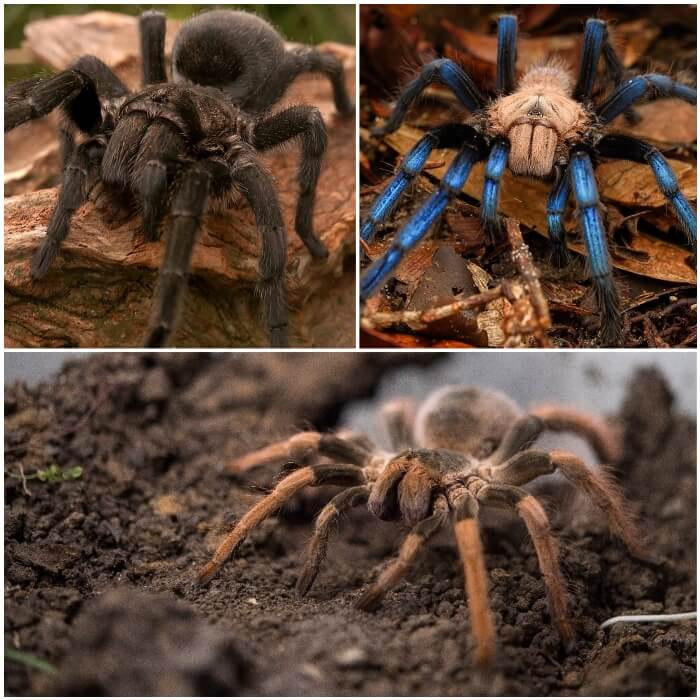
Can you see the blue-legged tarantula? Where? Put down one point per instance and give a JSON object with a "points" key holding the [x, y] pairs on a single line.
{"points": [[545, 127], [463, 449], [173, 149]]}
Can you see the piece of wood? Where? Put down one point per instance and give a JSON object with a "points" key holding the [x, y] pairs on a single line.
{"points": [[99, 291]]}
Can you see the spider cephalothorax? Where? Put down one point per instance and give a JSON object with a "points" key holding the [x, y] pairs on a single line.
{"points": [[463, 449], [545, 126], [173, 150]]}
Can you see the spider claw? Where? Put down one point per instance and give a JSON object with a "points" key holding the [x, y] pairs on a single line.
{"points": [[43, 258], [305, 581], [370, 600], [207, 573]]}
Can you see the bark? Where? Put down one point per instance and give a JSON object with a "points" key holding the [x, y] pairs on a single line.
{"points": [[99, 291]]}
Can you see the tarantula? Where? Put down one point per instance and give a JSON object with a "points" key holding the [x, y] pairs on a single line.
{"points": [[544, 127], [179, 148], [465, 448]]}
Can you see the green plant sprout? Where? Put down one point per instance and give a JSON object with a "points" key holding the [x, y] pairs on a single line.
{"points": [[29, 660], [51, 474]]}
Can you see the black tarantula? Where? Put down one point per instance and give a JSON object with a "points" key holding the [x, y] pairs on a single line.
{"points": [[544, 126], [465, 448], [173, 149]]}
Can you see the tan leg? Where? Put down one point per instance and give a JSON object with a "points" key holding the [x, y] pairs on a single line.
{"points": [[301, 448], [546, 547], [342, 474], [409, 551], [398, 416], [471, 552], [319, 543], [605, 493], [604, 439]]}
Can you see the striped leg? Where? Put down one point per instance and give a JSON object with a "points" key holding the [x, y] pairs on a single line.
{"points": [[451, 136], [423, 219], [440, 71], [408, 553], [476, 584], [556, 206], [546, 547], [338, 474], [651, 85], [495, 167], [344, 501], [586, 193], [628, 148], [507, 54]]}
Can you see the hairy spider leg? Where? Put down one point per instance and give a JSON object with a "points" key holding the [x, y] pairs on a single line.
{"points": [[546, 545], [398, 417], [595, 36], [109, 88], [493, 172], [187, 210], [309, 60], [318, 547], [307, 124], [423, 219], [152, 34], [302, 448], [448, 136], [476, 586], [597, 485], [629, 148], [556, 206], [408, 553], [442, 71], [586, 193], [507, 33], [651, 85], [318, 475], [259, 191], [82, 167]]}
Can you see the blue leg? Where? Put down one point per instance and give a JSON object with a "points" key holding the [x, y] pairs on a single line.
{"points": [[650, 85], [586, 193], [507, 53], [556, 206], [441, 71], [422, 220], [495, 167], [594, 37], [628, 148], [449, 136]]}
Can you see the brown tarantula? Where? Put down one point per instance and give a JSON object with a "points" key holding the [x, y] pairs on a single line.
{"points": [[464, 448]]}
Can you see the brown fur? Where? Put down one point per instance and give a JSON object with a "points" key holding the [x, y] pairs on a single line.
{"points": [[540, 119]]}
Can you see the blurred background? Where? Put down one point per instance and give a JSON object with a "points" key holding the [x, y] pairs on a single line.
{"points": [[310, 24]]}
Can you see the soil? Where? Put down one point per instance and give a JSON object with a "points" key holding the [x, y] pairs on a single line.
{"points": [[99, 578]]}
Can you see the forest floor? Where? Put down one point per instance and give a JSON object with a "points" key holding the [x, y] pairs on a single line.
{"points": [[100, 569]]}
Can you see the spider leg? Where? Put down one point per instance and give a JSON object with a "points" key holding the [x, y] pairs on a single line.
{"points": [[306, 123], [597, 485], [546, 547], [442, 71], [152, 34], [507, 54], [408, 553], [448, 136], [187, 209], [586, 193], [493, 172], [301, 448], [344, 501], [476, 585], [422, 220], [595, 37], [259, 191], [398, 417], [520, 435], [81, 169], [629, 148], [384, 497], [556, 206], [336, 474], [559, 418], [651, 85], [309, 60]]}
